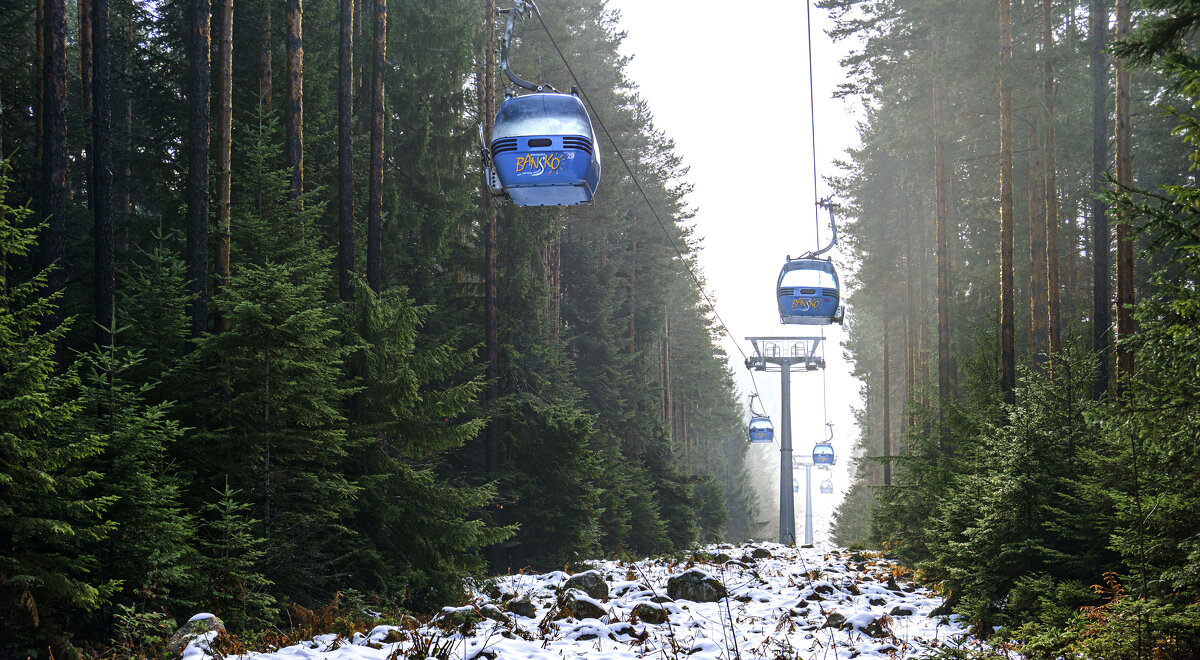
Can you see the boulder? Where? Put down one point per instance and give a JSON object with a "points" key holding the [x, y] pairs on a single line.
{"points": [[589, 582], [878, 602], [834, 620], [578, 604], [902, 610], [695, 585], [454, 618], [522, 607], [492, 612], [650, 613], [872, 626], [195, 627], [761, 553]]}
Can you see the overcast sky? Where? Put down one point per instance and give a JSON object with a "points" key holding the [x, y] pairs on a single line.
{"points": [[729, 83]]}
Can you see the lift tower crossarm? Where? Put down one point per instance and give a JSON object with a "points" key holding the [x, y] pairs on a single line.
{"points": [[783, 352]]}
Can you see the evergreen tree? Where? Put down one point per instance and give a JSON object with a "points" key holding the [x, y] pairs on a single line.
{"points": [[283, 438], [150, 553], [422, 527], [50, 521], [231, 551]]}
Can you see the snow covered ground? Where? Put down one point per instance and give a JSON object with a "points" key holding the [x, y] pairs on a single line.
{"points": [[786, 603]]}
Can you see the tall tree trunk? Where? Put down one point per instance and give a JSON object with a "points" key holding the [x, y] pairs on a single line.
{"points": [[1101, 237], [911, 328], [126, 183], [39, 69], [294, 125], [86, 50], [1051, 169], [198, 141], [375, 192], [942, 219], [491, 324], [100, 196], [1125, 290], [265, 83], [633, 293], [667, 404], [346, 152], [1039, 317], [224, 148], [3, 263], [1008, 380], [54, 150], [887, 401]]}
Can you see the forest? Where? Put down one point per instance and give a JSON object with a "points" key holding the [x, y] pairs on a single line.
{"points": [[267, 343], [1026, 314]]}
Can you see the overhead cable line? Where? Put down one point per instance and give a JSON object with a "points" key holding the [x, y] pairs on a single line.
{"points": [[812, 123], [638, 184]]}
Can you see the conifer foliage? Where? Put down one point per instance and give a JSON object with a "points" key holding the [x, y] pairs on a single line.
{"points": [[1019, 494], [297, 412]]}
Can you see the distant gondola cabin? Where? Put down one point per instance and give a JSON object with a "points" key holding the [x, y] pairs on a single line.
{"points": [[822, 454], [827, 487], [761, 431], [544, 150], [808, 292]]}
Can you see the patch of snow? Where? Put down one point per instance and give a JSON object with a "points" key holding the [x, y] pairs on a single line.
{"points": [[766, 615]]}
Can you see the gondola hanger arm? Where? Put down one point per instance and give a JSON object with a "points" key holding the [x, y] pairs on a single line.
{"points": [[826, 203], [520, 7]]}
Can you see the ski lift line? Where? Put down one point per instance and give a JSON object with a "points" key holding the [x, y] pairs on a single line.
{"points": [[638, 184], [812, 120]]}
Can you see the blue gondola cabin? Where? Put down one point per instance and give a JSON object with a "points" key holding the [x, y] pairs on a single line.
{"points": [[808, 292], [761, 430], [823, 454], [544, 150]]}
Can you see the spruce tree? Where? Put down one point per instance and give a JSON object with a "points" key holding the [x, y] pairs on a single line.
{"points": [[50, 521], [278, 393]]}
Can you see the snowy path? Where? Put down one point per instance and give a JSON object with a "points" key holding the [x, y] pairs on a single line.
{"points": [[795, 603]]}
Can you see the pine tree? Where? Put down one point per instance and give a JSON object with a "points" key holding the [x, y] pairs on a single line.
{"points": [[150, 552], [422, 526], [49, 519], [231, 552], [279, 393]]}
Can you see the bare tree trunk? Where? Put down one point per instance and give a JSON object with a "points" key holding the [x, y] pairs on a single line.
{"points": [[911, 329], [38, 67], [265, 83], [224, 149], [199, 90], [942, 219], [375, 192], [1007, 324], [666, 375], [1125, 287], [54, 151], [100, 197], [346, 152], [1051, 168], [294, 125], [85, 56], [126, 194], [887, 400], [633, 293], [1101, 237], [1039, 317]]}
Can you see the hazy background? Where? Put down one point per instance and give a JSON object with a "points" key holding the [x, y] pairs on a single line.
{"points": [[730, 86]]}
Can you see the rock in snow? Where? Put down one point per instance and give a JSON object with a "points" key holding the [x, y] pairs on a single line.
{"points": [[758, 609]]}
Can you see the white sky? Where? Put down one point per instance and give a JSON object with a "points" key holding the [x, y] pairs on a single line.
{"points": [[730, 85]]}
